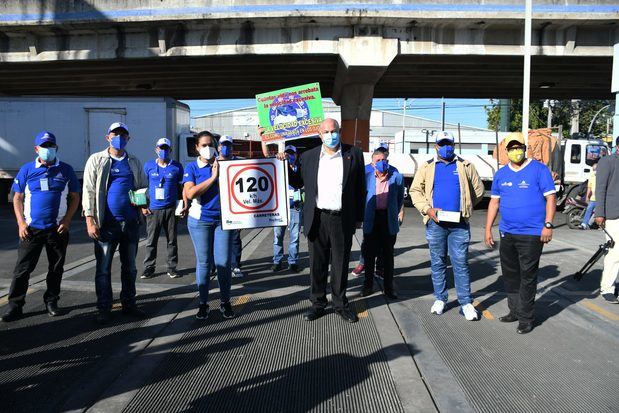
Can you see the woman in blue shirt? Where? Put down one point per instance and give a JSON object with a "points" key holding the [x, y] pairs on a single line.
{"points": [[204, 223]]}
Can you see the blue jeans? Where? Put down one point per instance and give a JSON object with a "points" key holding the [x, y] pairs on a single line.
{"points": [[588, 213], [294, 227], [211, 243], [452, 238], [237, 249], [123, 235]]}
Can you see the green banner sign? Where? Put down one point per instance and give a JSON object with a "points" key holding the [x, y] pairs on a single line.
{"points": [[290, 113]]}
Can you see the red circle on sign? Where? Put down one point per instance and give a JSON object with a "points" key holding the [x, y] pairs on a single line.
{"points": [[257, 206]]}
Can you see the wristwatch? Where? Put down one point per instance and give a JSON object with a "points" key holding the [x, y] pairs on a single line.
{"points": [[549, 225]]}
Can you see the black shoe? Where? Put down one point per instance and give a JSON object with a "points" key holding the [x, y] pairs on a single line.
{"points": [[391, 295], [524, 328], [348, 315], [203, 312], [173, 274], [104, 316], [226, 310], [12, 314], [509, 318], [133, 311], [52, 309], [610, 298], [149, 272], [367, 291], [293, 268], [314, 314], [277, 267]]}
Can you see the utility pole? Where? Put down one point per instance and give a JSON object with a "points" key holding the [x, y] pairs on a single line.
{"points": [[526, 84], [442, 113], [548, 104], [404, 124], [575, 116]]}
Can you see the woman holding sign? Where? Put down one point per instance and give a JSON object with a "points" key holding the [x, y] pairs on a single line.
{"points": [[204, 223]]}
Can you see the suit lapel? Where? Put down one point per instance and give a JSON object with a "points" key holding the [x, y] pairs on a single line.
{"points": [[347, 159], [316, 162]]}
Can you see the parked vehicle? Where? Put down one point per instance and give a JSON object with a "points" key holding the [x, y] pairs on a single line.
{"points": [[80, 124], [575, 211]]}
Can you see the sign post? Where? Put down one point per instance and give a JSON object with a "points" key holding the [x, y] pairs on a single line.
{"points": [[290, 113], [253, 193]]}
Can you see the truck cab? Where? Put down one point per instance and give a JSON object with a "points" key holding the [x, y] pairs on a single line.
{"points": [[577, 157]]}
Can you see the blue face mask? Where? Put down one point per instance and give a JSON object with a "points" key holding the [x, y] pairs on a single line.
{"points": [[446, 152], [331, 139], [118, 142], [47, 154], [164, 154], [382, 166], [226, 150]]}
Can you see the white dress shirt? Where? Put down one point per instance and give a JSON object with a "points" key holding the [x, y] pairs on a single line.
{"points": [[330, 177]]}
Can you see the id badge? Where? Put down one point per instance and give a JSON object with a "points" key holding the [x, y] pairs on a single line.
{"points": [[44, 184], [160, 194]]}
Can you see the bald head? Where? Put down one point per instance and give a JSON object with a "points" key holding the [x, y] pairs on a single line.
{"points": [[329, 125]]}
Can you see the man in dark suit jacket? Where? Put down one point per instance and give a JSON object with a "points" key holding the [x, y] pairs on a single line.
{"points": [[333, 175]]}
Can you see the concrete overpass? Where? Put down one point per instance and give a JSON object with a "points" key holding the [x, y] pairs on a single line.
{"points": [[193, 49]]}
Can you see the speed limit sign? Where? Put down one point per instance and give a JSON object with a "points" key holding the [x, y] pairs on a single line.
{"points": [[253, 193]]}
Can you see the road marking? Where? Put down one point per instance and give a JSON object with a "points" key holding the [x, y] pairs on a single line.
{"points": [[483, 311], [5, 299], [600, 310], [362, 309], [239, 302]]}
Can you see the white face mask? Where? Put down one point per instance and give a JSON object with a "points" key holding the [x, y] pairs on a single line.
{"points": [[208, 152]]}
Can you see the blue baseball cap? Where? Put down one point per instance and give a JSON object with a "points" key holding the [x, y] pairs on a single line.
{"points": [[290, 148], [382, 146], [43, 137]]}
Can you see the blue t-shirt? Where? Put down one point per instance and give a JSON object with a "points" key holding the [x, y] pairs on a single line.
{"points": [[205, 208], [446, 192], [46, 190], [523, 197], [118, 206], [167, 178]]}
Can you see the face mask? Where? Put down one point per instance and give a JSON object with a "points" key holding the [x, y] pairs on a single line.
{"points": [[207, 152], [47, 154], [446, 152], [382, 166], [291, 158], [226, 150], [164, 154], [516, 155], [118, 142], [331, 139]]}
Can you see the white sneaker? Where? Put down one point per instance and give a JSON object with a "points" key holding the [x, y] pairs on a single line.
{"points": [[469, 312], [438, 307], [237, 273]]}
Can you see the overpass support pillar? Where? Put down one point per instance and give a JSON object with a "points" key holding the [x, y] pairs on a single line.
{"points": [[363, 60]]}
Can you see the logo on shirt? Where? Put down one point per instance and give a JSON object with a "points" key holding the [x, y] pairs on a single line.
{"points": [[16, 181], [169, 174], [154, 174], [59, 176], [523, 184], [115, 170], [506, 184], [186, 175]]}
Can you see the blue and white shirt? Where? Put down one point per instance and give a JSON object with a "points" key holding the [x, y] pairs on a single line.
{"points": [[206, 207], [46, 192], [523, 195], [163, 181], [118, 206]]}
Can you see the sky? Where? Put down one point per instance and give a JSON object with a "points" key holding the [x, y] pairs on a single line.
{"points": [[468, 112]]}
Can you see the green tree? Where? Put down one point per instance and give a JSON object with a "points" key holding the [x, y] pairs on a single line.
{"points": [[561, 115]]}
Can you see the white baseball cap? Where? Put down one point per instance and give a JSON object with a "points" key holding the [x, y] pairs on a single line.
{"points": [[225, 138], [117, 125], [444, 136], [164, 141]]}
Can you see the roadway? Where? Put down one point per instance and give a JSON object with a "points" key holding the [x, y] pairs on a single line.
{"points": [[398, 358]]}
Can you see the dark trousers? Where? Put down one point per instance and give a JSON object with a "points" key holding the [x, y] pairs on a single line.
{"points": [[379, 244], [166, 220], [237, 249], [520, 256], [28, 254], [329, 244]]}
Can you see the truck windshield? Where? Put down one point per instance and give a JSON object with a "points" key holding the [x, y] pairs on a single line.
{"points": [[594, 153]]}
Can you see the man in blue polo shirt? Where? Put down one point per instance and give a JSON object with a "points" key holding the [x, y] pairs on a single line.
{"points": [[524, 192], [46, 198], [112, 220], [164, 178]]}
